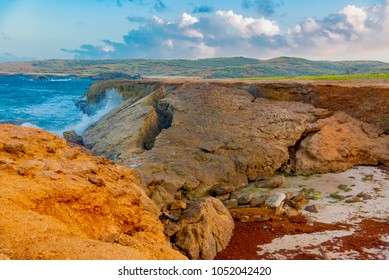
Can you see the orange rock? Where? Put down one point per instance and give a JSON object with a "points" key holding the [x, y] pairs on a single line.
{"points": [[59, 202]]}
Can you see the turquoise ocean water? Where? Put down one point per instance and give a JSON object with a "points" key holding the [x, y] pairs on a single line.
{"points": [[49, 103]]}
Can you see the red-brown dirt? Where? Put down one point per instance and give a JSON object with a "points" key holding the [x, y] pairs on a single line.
{"points": [[366, 242]]}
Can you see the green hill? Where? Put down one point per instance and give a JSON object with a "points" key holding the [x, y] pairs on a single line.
{"points": [[234, 67]]}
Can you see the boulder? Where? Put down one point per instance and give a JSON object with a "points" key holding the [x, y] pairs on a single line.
{"points": [[230, 203], [204, 229], [72, 137], [311, 208], [272, 182], [341, 143], [275, 200], [222, 190], [59, 202], [245, 199]]}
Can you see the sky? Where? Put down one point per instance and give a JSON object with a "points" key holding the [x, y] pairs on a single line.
{"points": [[168, 29]]}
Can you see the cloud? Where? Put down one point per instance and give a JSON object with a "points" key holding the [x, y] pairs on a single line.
{"points": [[349, 33], [204, 9], [264, 7], [137, 19], [356, 17], [157, 5], [249, 27], [4, 37], [220, 34], [187, 20], [10, 57]]}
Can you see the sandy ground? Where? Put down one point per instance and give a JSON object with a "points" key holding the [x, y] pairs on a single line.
{"points": [[343, 230]]}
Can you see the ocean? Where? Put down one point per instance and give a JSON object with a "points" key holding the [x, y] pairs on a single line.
{"points": [[50, 103]]}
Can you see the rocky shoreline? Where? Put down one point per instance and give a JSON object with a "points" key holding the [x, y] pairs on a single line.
{"points": [[346, 216], [199, 148]]}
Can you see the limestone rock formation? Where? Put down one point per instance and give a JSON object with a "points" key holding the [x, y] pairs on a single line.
{"points": [[214, 138], [218, 136], [204, 229], [342, 143], [128, 129], [72, 137], [59, 202], [221, 137]]}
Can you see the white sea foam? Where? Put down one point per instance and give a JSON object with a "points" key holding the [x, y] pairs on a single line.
{"points": [[27, 124], [111, 100], [60, 79]]}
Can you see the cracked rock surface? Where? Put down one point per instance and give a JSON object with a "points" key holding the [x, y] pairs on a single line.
{"points": [[221, 138], [227, 137]]}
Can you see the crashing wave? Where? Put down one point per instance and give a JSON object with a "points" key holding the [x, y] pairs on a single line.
{"points": [[96, 112]]}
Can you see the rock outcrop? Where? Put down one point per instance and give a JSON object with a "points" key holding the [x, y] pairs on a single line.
{"points": [[224, 137], [200, 139], [218, 136], [59, 202], [141, 122], [341, 143], [204, 229], [367, 101]]}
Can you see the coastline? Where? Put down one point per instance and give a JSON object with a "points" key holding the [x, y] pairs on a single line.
{"points": [[274, 230], [346, 231]]}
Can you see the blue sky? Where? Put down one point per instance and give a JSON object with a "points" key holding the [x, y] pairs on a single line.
{"points": [[167, 29]]}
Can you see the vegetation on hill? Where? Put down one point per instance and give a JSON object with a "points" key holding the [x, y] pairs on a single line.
{"points": [[234, 67]]}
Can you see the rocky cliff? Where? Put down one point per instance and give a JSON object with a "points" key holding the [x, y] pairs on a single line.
{"points": [[211, 134], [185, 142], [59, 202], [367, 101]]}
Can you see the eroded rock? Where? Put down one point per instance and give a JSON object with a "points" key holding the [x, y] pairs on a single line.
{"points": [[66, 204], [72, 137], [127, 130], [224, 136], [275, 200], [342, 143], [204, 229]]}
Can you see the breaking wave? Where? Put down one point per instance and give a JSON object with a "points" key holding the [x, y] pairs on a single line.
{"points": [[111, 100]]}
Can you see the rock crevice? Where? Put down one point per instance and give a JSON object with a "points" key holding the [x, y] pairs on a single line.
{"points": [[220, 137], [214, 138]]}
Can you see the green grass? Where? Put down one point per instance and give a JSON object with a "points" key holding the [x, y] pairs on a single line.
{"points": [[345, 77]]}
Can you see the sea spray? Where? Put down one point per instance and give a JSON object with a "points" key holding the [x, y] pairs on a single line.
{"points": [[96, 112], [45, 103], [51, 103]]}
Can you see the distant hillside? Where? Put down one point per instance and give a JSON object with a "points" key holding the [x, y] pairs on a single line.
{"points": [[234, 67]]}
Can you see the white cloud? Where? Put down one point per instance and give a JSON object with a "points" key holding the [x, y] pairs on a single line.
{"points": [[310, 25], [158, 20], [333, 36], [169, 43], [351, 33], [203, 51], [356, 17], [187, 20], [248, 26], [193, 33], [107, 48]]}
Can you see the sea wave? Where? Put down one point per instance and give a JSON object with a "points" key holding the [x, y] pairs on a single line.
{"points": [[60, 79], [111, 100], [28, 124]]}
